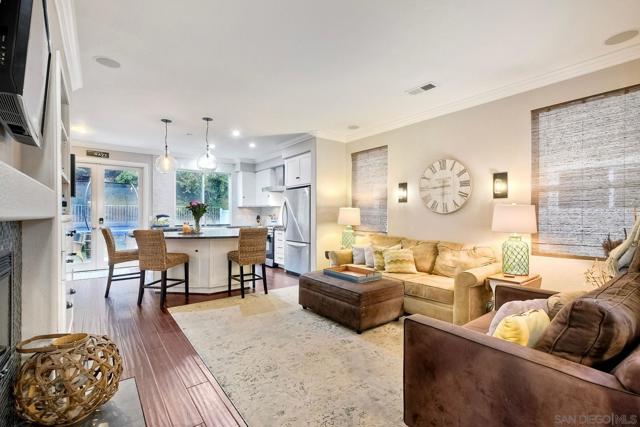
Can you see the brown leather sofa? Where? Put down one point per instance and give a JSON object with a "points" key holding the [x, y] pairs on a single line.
{"points": [[459, 376]]}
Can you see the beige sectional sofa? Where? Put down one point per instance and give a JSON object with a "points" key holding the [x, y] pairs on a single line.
{"points": [[457, 297]]}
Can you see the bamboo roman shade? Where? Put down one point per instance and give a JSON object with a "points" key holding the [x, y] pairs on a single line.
{"points": [[369, 188], [586, 172]]}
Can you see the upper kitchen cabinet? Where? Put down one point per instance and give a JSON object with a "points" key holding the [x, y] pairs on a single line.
{"points": [[298, 170], [246, 189]]}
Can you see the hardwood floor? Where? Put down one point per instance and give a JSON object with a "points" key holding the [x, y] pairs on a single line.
{"points": [[175, 387]]}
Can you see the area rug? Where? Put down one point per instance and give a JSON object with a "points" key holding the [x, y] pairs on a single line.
{"points": [[284, 366]]}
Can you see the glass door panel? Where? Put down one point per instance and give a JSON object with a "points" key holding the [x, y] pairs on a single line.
{"points": [[83, 220]]}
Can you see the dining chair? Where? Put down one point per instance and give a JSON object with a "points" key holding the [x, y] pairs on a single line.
{"points": [[252, 250], [154, 257], [116, 256]]}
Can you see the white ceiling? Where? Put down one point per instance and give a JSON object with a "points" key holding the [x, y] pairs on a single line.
{"points": [[276, 69]]}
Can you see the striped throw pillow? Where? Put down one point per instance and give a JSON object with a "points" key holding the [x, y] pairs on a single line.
{"points": [[399, 261]]}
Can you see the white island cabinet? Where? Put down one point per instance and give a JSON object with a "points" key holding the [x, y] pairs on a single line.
{"points": [[207, 259]]}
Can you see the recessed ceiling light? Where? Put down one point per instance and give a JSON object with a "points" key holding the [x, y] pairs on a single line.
{"points": [[79, 129], [252, 145], [354, 127], [235, 133], [621, 37], [107, 62]]}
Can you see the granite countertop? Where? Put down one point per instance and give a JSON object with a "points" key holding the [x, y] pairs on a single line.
{"points": [[206, 233]]}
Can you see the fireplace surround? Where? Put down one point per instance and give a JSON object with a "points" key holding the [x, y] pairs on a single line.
{"points": [[10, 312]]}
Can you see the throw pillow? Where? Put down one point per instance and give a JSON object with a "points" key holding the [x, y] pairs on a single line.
{"points": [[340, 257], [378, 256], [556, 302], [358, 255], [515, 307], [598, 328], [399, 261], [524, 329], [450, 262], [368, 256], [425, 254], [634, 267], [625, 260]]}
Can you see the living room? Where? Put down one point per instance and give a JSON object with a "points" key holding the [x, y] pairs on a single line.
{"points": [[333, 214]]}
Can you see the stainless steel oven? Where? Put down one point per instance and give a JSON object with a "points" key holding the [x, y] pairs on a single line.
{"points": [[271, 244]]}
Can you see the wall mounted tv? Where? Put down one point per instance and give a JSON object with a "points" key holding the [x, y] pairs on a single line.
{"points": [[25, 56]]}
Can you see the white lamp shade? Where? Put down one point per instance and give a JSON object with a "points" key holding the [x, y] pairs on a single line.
{"points": [[207, 161], [165, 163], [514, 219], [349, 216]]}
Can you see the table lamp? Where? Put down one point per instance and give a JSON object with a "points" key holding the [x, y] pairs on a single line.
{"points": [[348, 217], [515, 219]]}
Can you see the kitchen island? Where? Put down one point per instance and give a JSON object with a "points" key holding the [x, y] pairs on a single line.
{"points": [[207, 258]]}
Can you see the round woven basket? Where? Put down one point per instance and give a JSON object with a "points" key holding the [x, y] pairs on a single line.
{"points": [[67, 377]]}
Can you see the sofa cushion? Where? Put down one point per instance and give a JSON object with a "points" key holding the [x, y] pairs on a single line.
{"points": [[556, 302], [481, 324], [451, 261], [628, 371], [402, 276], [384, 240], [430, 287], [523, 328], [399, 261], [424, 254], [599, 328]]}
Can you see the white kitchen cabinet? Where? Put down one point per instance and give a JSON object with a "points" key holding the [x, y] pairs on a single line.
{"points": [[298, 170], [278, 249], [246, 189]]}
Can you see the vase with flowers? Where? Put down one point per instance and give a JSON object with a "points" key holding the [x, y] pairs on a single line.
{"points": [[198, 209]]}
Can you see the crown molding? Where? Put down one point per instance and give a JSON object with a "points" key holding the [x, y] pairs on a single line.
{"points": [[70, 44], [581, 68]]}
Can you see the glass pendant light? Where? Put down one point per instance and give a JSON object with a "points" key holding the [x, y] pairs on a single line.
{"points": [[165, 163], [207, 161]]}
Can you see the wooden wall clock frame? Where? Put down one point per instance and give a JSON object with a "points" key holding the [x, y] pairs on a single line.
{"points": [[445, 186]]}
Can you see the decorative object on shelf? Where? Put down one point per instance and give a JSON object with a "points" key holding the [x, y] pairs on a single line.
{"points": [[198, 209], [501, 185], [67, 377], [186, 228], [402, 192], [348, 217], [165, 163], [515, 219], [445, 186], [207, 161]]}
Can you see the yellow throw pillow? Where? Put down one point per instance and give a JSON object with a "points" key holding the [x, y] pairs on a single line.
{"points": [[378, 256], [399, 261], [451, 261], [524, 329]]}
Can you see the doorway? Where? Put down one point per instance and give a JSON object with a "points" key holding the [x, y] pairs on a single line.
{"points": [[106, 196]]}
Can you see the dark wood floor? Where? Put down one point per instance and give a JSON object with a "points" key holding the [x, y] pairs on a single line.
{"points": [[175, 387]]}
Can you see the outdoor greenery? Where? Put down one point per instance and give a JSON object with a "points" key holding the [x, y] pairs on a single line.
{"points": [[210, 188]]}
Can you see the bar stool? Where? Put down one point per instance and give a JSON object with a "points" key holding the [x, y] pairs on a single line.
{"points": [[117, 257], [252, 250], [154, 257]]}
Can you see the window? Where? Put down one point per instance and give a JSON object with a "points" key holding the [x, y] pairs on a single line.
{"points": [[210, 187], [369, 188], [586, 172]]}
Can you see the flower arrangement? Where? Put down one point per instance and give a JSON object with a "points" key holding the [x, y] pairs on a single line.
{"points": [[198, 209]]}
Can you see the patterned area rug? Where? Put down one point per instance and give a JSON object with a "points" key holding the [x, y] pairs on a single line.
{"points": [[285, 366]]}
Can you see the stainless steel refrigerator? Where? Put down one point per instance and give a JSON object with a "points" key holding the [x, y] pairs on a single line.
{"points": [[296, 218]]}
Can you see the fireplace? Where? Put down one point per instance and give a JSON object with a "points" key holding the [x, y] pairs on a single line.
{"points": [[6, 317]]}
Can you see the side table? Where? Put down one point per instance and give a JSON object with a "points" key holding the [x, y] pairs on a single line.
{"points": [[531, 281]]}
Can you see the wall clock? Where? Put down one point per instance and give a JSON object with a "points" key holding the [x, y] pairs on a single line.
{"points": [[445, 186]]}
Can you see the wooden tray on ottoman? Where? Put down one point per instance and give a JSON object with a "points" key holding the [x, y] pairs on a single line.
{"points": [[353, 273]]}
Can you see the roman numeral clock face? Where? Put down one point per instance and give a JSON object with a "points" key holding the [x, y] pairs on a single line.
{"points": [[445, 186]]}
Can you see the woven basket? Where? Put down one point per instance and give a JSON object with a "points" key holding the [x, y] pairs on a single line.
{"points": [[68, 377]]}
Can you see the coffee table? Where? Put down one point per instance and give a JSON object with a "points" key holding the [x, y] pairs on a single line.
{"points": [[359, 306]]}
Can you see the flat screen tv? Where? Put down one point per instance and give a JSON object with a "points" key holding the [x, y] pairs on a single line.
{"points": [[25, 57]]}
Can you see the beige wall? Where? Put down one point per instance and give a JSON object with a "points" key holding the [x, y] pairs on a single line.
{"points": [[493, 137]]}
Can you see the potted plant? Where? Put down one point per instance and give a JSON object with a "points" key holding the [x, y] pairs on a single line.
{"points": [[198, 209]]}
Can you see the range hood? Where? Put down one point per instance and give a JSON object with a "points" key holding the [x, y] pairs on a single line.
{"points": [[278, 180]]}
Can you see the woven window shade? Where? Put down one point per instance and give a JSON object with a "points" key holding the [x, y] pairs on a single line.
{"points": [[586, 172], [369, 188]]}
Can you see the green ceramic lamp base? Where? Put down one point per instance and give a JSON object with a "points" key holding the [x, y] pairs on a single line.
{"points": [[348, 237], [515, 256]]}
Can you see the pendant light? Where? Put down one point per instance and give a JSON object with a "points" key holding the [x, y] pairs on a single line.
{"points": [[207, 161], [165, 163]]}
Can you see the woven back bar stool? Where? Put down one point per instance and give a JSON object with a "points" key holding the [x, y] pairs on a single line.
{"points": [[117, 257], [252, 250], [154, 257]]}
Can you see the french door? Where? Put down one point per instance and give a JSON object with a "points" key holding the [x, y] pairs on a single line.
{"points": [[106, 196]]}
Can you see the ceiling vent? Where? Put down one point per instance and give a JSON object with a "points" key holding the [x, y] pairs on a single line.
{"points": [[420, 89]]}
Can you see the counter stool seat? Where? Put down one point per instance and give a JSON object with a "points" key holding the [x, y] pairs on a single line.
{"points": [[116, 256], [252, 250]]}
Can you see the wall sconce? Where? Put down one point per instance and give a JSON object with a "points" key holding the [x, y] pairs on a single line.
{"points": [[500, 185], [402, 192]]}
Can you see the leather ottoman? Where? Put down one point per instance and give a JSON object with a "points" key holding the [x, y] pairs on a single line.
{"points": [[357, 306]]}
